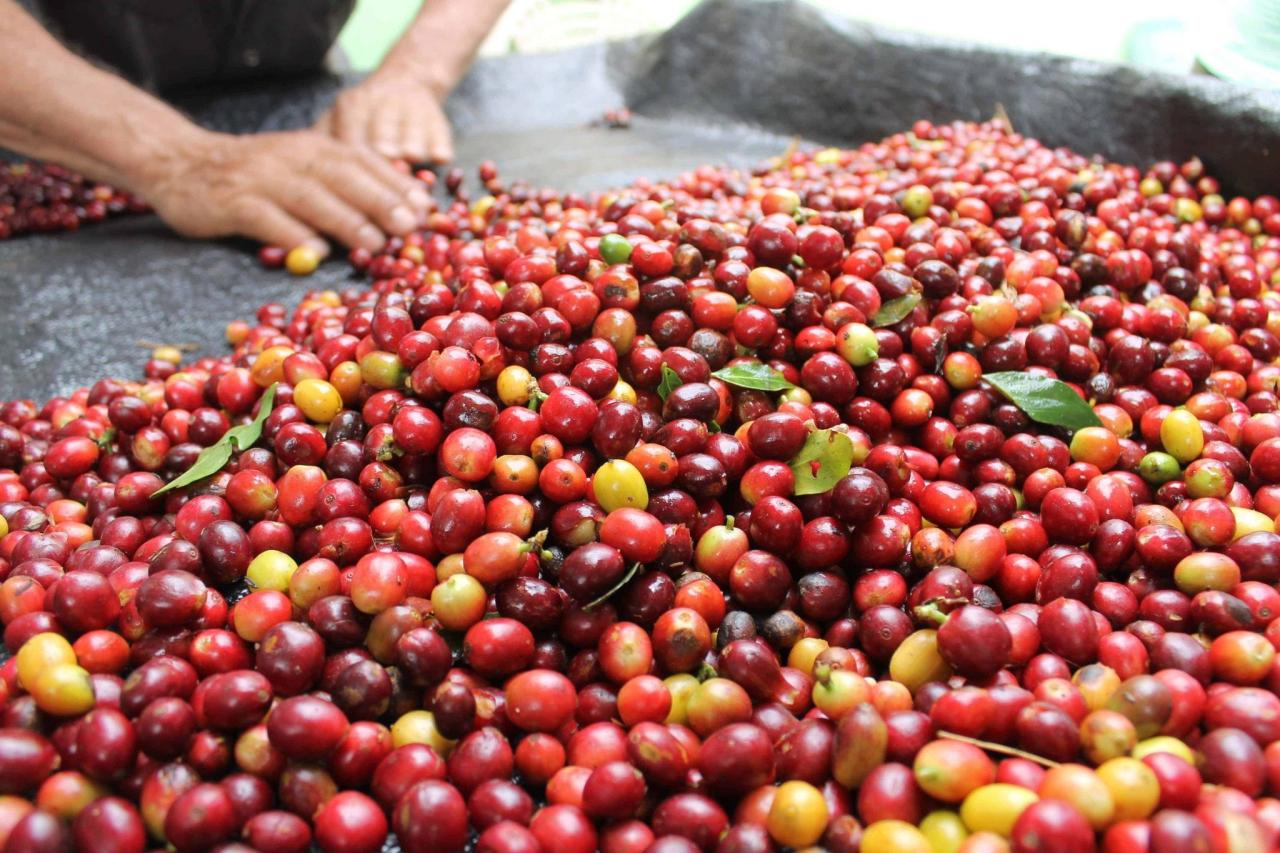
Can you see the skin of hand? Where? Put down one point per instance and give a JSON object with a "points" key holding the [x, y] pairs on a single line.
{"points": [[398, 109], [284, 189], [394, 112]]}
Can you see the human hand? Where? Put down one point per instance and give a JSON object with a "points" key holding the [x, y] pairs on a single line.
{"points": [[283, 189], [394, 112]]}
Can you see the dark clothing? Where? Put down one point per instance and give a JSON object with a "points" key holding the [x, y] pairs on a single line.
{"points": [[174, 44]]}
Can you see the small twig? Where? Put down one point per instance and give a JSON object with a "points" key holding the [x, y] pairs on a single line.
{"points": [[1000, 748], [185, 347], [792, 147], [626, 579], [1002, 115]]}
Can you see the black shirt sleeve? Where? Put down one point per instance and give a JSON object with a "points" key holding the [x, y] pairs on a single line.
{"points": [[166, 45]]}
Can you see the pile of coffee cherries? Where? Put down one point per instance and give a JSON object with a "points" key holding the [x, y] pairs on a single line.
{"points": [[36, 198], [681, 518]]}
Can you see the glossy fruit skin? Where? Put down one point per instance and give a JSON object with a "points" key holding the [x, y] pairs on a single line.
{"points": [[540, 700], [110, 824], [517, 514], [351, 822], [200, 818], [27, 759], [737, 758], [950, 770], [106, 744], [446, 828], [974, 642], [278, 830], [306, 728], [1049, 823]]}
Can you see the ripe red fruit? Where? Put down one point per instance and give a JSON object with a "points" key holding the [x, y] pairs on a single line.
{"points": [[306, 728], [430, 816], [1051, 825], [540, 700], [974, 641], [350, 823], [635, 533]]}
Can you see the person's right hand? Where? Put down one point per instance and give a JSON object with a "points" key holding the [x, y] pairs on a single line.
{"points": [[284, 189]]}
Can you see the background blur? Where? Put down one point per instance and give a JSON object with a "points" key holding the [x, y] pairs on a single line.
{"points": [[1235, 39]]}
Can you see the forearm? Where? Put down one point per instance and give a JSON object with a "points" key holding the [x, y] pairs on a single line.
{"points": [[56, 106], [443, 40]]}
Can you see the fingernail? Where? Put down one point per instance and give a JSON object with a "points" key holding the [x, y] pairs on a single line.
{"points": [[320, 247], [370, 238], [402, 218], [418, 198]]}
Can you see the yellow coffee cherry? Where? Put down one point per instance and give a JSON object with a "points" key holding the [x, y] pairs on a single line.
{"points": [[798, 815], [65, 690], [317, 399], [459, 602], [420, 727], [1163, 743], [1251, 521], [805, 652], [171, 354], [995, 807], [894, 836], [617, 484], [917, 661], [945, 831], [623, 392], [681, 687], [1182, 436], [268, 367], [271, 570], [1133, 786], [302, 260], [41, 653], [515, 385]]}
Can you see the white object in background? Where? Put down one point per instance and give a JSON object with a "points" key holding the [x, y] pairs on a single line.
{"points": [[535, 26], [1250, 53]]}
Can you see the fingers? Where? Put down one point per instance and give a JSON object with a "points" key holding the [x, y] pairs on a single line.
{"points": [[441, 147], [384, 132], [264, 221], [405, 186], [425, 134], [319, 207], [401, 123], [347, 121], [380, 201], [415, 136]]}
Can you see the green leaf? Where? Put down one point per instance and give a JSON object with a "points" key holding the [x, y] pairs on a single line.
{"points": [[670, 382], [753, 375], [208, 463], [626, 579], [827, 455], [212, 459], [247, 435], [895, 310], [1045, 400]]}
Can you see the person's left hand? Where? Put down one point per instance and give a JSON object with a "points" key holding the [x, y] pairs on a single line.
{"points": [[394, 112]]}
